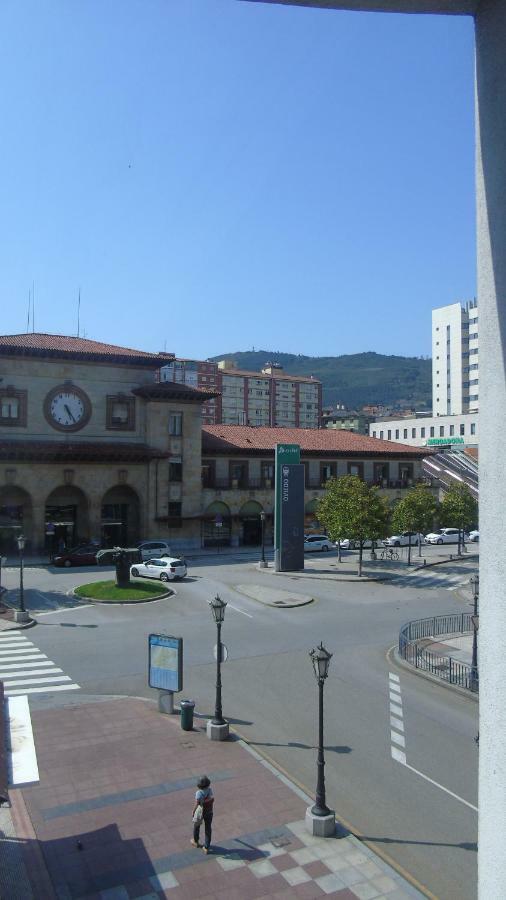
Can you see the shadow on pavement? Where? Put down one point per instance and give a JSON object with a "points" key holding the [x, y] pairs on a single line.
{"points": [[299, 746]]}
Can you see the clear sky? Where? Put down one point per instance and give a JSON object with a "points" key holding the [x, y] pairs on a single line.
{"points": [[215, 174]]}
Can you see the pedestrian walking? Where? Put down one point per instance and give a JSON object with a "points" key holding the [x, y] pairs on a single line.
{"points": [[203, 813]]}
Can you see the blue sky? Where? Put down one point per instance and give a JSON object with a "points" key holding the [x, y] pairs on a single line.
{"points": [[215, 175]]}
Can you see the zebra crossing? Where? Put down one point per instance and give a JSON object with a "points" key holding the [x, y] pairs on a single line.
{"points": [[431, 579], [24, 669]]}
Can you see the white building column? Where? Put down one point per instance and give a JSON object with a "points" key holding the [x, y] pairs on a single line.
{"points": [[491, 212]]}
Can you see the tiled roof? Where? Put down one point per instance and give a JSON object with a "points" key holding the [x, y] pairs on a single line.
{"points": [[171, 390], [240, 438], [276, 373], [79, 451], [63, 346]]}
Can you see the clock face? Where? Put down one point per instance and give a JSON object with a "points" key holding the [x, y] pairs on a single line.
{"points": [[67, 408]]}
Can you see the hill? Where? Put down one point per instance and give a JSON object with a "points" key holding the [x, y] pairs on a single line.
{"points": [[355, 379]]}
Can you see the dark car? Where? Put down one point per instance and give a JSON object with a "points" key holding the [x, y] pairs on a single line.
{"points": [[86, 555]]}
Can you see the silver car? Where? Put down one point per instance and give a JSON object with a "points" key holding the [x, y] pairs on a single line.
{"points": [[167, 569]]}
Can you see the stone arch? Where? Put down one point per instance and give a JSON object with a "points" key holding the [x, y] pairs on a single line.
{"points": [[120, 517], [66, 517], [216, 525], [16, 517]]}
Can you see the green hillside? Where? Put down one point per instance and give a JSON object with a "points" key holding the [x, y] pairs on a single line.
{"points": [[355, 379]]}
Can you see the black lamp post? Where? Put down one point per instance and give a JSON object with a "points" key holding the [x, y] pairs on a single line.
{"points": [[475, 584], [263, 563], [321, 661], [21, 614], [218, 607]]}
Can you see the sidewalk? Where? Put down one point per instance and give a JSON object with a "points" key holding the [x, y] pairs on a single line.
{"points": [[111, 819]]}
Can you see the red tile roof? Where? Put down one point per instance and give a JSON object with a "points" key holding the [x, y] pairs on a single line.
{"points": [[63, 346], [240, 438], [79, 451]]}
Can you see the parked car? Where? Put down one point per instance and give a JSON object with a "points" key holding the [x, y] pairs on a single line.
{"points": [[444, 536], [167, 569], [403, 539], [314, 542], [85, 555], [152, 549], [349, 544], [474, 535]]}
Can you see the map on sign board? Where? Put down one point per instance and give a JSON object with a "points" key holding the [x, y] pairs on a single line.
{"points": [[165, 662]]}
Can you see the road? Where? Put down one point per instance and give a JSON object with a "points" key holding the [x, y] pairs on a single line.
{"points": [[422, 813]]}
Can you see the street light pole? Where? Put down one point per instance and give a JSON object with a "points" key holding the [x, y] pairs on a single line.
{"points": [[320, 820], [263, 563], [21, 614], [218, 728], [475, 584]]}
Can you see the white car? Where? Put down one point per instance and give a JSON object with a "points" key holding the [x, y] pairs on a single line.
{"points": [[314, 542], [350, 544], [443, 536], [167, 569], [152, 549], [403, 539], [474, 536]]}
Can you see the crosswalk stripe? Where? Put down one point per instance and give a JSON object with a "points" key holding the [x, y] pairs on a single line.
{"points": [[17, 648], [10, 633], [18, 644], [10, 658], [27, 665], [10, 692], [50, 671], [8, 684]]}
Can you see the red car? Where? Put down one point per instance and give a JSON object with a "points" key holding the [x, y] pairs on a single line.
{"points": [[78, 556]]}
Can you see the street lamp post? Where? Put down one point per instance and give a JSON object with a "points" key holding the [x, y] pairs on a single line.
{"points": [[21, 614], [475, 584], [218, 728], [263, 562], [320, 820]]}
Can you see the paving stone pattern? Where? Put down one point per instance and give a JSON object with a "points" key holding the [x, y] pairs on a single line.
{"points": [[112, 817]]}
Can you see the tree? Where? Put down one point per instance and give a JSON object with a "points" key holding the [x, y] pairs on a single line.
{"points": [[352, 509], [458, 509], [415, 512]]}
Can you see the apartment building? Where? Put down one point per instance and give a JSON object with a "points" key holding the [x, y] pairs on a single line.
{"points": [[455, 359], [269, 397], [429, 431]]}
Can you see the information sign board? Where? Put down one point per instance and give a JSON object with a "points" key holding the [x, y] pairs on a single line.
{"points": [[165, 662], [286, 454], [291, 556]]}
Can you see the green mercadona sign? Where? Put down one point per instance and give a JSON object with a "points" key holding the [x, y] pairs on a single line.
{"points": [[435, 442]]}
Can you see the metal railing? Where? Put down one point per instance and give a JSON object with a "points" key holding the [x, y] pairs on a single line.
{"points": [[445, 667]]}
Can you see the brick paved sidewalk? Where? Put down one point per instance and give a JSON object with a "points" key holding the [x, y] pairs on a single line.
{"points": [[111, 818]]}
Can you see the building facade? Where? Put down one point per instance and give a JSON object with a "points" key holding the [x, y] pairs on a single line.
{"points": [[93, 447], [429, 431], [270, 397], [455, 359]]}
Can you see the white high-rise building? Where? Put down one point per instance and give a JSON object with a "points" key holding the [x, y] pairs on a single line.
{"points": [[455, 362]]}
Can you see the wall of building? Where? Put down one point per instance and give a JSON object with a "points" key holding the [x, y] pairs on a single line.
{"points": [[462, 431]]}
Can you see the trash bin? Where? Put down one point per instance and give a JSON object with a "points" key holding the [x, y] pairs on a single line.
{"points": [[187, 707]]}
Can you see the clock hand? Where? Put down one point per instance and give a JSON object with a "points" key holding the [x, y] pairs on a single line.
{"points": [[69, 413]]}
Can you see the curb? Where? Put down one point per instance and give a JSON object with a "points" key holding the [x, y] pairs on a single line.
{"points": [[441, 562], [168, 593], [393, 657]]}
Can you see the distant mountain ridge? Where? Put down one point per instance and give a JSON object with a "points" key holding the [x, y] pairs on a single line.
{"points": [[354, 379]]}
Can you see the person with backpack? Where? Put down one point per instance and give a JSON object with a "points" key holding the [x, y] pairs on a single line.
{"points": [[203, 813]]}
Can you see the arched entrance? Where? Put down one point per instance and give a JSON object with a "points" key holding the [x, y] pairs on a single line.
{"points": [[15, 519], [251, 523], [216, 525], [120, 517], [66, 517], [311, 523]]}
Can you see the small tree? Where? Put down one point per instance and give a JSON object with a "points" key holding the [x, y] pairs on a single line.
{"points": [[351, 509], [458, 509], [415, 512]]}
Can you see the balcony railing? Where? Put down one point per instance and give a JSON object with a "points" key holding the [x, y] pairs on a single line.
{"points": [[239, 484]]}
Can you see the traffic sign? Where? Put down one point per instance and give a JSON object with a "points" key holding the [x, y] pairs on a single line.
{"points": [[224, 652]]}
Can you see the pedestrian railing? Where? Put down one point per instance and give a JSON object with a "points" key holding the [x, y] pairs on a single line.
{"points": [[439, 665]]}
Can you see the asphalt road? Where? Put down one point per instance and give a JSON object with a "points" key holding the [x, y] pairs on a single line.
{"points": [[422, 813]]}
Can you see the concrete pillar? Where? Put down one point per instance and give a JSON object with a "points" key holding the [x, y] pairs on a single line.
{"points": [[491, 215]]}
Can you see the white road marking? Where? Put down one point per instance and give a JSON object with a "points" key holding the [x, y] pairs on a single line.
{"points": [[239, 610], [26, 665], [396, 688], [18, 645], [441, 787], [396, 719], [395, 698], [399, 755], [44, 690], [393, 677], [9, 684], [396, 723], [396, 710], [397, 739], [50, 671], [10, 632], [69, 609], [17, 657]]}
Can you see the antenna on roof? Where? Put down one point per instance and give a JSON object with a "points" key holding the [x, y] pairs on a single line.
{"points": [[78, 310], [33, 307], [28, 316]]}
